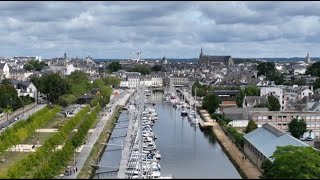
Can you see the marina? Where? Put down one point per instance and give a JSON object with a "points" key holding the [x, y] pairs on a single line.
{"points": [[162, 144]]}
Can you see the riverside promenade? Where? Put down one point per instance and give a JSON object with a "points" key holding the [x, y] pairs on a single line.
{"points": [[247, 168], [81, 158]]}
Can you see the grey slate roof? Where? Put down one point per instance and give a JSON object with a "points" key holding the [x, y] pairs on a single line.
{"points": [[268, 137], [2, 65]]}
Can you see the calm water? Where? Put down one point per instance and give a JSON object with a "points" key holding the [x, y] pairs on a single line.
{"points": [[111, 158], [186, 151]]}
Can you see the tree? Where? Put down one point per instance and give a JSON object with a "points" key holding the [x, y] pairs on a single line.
{"points": [[269, 69], [314, 69], [67, 99], [297, 127], [247, 91], [251, 126], [292, 162], [112, 81], [316, 84], [273, 103], [6, 82], [201, 89], [210, 103], [114, 66], [29, 67], [156, 68], [37, 65], [143, 69], [53, 86]]}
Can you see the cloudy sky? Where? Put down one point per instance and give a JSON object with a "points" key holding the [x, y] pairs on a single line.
{"points": [[176, 29]]}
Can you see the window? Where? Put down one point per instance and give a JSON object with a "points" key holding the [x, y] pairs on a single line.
{"points": [[269, 117]]}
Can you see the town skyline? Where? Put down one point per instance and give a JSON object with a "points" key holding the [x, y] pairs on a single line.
{"points": [[175, 29]]}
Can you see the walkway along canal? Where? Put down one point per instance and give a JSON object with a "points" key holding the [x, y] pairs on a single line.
{"points": [[188, 152]]}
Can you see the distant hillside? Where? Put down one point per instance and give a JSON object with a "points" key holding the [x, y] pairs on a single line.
{"points": [[293, 59], [237, 60]]}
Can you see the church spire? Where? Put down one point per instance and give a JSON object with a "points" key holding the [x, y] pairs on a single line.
{"points": [[201, 54]]}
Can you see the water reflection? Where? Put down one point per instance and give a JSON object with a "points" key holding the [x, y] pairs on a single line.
{"points": [[188, 152], [111, 157]]}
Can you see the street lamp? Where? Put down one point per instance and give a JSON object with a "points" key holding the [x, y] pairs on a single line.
{"points": [[74, 163]]}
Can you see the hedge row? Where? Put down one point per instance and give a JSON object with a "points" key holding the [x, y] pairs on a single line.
{"points": [[27, 166], [25, 129], [60, 158]]}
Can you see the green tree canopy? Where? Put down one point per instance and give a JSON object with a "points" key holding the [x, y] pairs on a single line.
{"points": [[143, 69], [210, 103], [293, 162], [112, 81], [201, 89], [6, 81], [314, 69], [8, 96], [67, 99], [247, 91], [157, 68], [53, 85], [78, 82], [297, 127], [273, 103], [34, 65], [316, 84], [269, 69], [28, 67], [114, 66], [251, 126]]}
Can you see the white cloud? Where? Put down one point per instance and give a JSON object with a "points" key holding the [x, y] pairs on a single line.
{"points": [[180, 29]]}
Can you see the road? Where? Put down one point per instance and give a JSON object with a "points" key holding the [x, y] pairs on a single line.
{"points": [[25, 117], [84, 154]]}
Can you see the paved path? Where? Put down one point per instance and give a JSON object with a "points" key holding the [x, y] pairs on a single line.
{"points": [[247, 167], [86, 149]]}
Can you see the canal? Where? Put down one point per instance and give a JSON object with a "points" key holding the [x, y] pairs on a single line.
{"points": [[110, 160], [188, 152]]}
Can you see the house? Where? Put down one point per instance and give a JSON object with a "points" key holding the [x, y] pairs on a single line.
{"points": [[298, 69], [4, 71], [276, 91], [20, 74], [251, 101], [261, 143], [179, 80], [156, 81], [133, 80], [25, 88]]}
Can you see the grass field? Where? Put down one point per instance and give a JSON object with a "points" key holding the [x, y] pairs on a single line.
{"points": [[12, 157]]}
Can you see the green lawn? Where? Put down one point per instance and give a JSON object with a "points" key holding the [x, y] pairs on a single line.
{"points": [[10, 158], [57, 122], [41, 136]]}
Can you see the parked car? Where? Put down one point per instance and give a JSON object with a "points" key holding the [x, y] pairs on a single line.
{"points": [[309, 139], [302, 138]]}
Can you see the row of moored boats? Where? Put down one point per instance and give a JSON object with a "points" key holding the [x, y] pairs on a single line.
{"points": [[181, 104], [144, 158]]}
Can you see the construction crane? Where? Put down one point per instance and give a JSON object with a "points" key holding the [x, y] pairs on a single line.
{"points": [[138, 55]]}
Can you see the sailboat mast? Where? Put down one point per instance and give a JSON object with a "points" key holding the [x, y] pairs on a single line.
{"points": [[195, 99]]}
